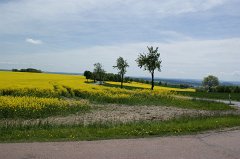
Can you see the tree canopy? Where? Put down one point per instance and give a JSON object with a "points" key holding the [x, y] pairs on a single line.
{"points": [[122, 67], [87, 74], [210, 81], [99, 72], [150, 61]]}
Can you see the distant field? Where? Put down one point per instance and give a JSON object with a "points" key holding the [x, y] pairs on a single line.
{"points": [[143, 85], [38, 80], [48, 81]]}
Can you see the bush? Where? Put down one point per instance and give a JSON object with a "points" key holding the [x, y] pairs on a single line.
{"points": [[27, 70]]}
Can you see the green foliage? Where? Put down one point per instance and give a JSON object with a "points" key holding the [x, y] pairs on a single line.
{"points": [[99, 72], [227, 89], [122, 67], [33, 70], [112, 77], [210, 81], [150, 61], [87, 74]]}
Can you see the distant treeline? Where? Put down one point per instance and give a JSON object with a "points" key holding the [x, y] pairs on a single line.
{"points": [[222, 89], [117, 78], [27, 70], [109, 77], [161, 83]]}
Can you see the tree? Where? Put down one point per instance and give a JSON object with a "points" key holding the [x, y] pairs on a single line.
{"points": [[99, 72], [122, 67], [87, 74], [209, 82], [150, 62]]}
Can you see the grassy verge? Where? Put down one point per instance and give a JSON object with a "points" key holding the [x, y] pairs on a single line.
{"points": [[212, 95], [184, 103], [180, 126], [175, 102]]}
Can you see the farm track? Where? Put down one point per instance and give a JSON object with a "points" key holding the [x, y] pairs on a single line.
{"points": [[120, 114], [233, 103]]}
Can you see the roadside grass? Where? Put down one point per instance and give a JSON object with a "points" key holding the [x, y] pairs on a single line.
{"points": [[46, 132], [175, 102], [212, 95]]}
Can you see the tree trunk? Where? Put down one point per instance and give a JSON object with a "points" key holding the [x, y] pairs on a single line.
{"points": [[152, 80], [122, 81], [100, 79]]}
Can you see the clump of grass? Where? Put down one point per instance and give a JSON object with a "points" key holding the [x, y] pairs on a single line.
{"points": [[47, 132]]}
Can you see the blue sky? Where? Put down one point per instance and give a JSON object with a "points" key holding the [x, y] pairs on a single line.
{"points": [[195, 37]]}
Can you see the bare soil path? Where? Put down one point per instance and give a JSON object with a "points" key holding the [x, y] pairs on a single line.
{"points": [[121, 114], [213, 145]]}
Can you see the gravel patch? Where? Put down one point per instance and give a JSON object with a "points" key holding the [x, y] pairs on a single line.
{"points": [[121, 114]]}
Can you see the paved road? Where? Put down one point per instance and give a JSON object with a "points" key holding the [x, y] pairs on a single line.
{"points": [[222, 145]]}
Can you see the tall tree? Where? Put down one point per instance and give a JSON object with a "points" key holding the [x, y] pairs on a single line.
{"points": [[209, 82], [87, 74], [99, 72], [150, 61], [122, 67]]}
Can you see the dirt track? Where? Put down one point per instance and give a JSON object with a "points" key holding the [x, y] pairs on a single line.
{"points": [[119, 113], [223, 145]]}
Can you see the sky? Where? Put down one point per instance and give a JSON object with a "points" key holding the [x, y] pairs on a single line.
{"points": [[196, 38]]}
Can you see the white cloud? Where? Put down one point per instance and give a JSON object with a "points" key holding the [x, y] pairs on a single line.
{"points": [[175, 7], [170, 35], [181, 59], [33, 41]]}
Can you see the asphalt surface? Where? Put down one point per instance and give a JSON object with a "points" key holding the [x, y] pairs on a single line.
{"points": [[221, 145]]}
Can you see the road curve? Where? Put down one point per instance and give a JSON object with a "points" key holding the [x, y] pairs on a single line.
{"points": [[221, 145], [233, 103]]}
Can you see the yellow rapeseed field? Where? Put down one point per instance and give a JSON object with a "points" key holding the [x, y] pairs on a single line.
{"points": [[48, 81], [32, 92], [34, 107], [143, 85], [36, 80]]}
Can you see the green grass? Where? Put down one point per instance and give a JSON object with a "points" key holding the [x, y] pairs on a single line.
{"points": [[212, 95], [125, 87], [46, 132], [165, 101]]}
